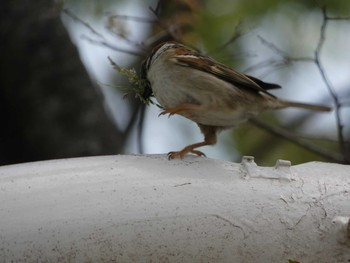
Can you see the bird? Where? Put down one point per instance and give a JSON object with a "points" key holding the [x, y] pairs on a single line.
{"points": [[214, 96]]}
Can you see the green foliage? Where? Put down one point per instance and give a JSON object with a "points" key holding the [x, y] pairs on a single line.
{"points": [[138, 85]]}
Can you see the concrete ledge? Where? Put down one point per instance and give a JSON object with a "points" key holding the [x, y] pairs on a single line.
{"points": [[149, 209]]}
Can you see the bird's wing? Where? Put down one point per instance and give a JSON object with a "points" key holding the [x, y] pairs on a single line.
{"points": [[209, 65]]}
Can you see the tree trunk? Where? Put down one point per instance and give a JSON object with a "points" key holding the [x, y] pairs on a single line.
{"points": [[49, 107]]}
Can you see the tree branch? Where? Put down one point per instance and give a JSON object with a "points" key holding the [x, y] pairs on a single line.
{"points": [[317, 59], [101, 40], [326, 153]]}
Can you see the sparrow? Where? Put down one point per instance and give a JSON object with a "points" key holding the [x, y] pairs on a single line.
{"points": [[197, 87]]}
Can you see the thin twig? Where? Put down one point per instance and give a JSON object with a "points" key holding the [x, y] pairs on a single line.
{"points": [[85, 24], [317, 60], [338, 18], [273, 63], [133, 119], [140, 127], [127, 40], [328, 84], [108, 45], [134, 18], [272, 46], [235, 36], [156, 11], [286, 58], [137, 118], [101, 39], [326, 153]]}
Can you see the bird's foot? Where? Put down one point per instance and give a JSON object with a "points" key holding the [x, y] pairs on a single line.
{"points": [[183, 152], [167, 111], [209, 139]]}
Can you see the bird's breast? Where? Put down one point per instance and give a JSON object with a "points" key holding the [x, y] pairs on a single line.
{"points": [[221, 104]]}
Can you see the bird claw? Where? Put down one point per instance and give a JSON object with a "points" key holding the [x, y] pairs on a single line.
{"points": [[181, 154], [164, 112], [173, 155], [199, 153]]}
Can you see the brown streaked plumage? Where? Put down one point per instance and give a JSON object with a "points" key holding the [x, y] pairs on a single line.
{"points": [[207, 92]]}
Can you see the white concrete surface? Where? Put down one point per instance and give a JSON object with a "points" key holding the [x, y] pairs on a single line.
{"points": [[149, 209]]}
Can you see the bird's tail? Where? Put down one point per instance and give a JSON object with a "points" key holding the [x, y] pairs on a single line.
{"points": [[315, 107]]}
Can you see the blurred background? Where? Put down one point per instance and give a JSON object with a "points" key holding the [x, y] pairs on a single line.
{"points": [[61, 98]]}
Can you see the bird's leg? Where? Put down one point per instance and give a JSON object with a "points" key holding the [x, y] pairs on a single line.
{"points": [[186, 150], [182, 108], [209, 133]]}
